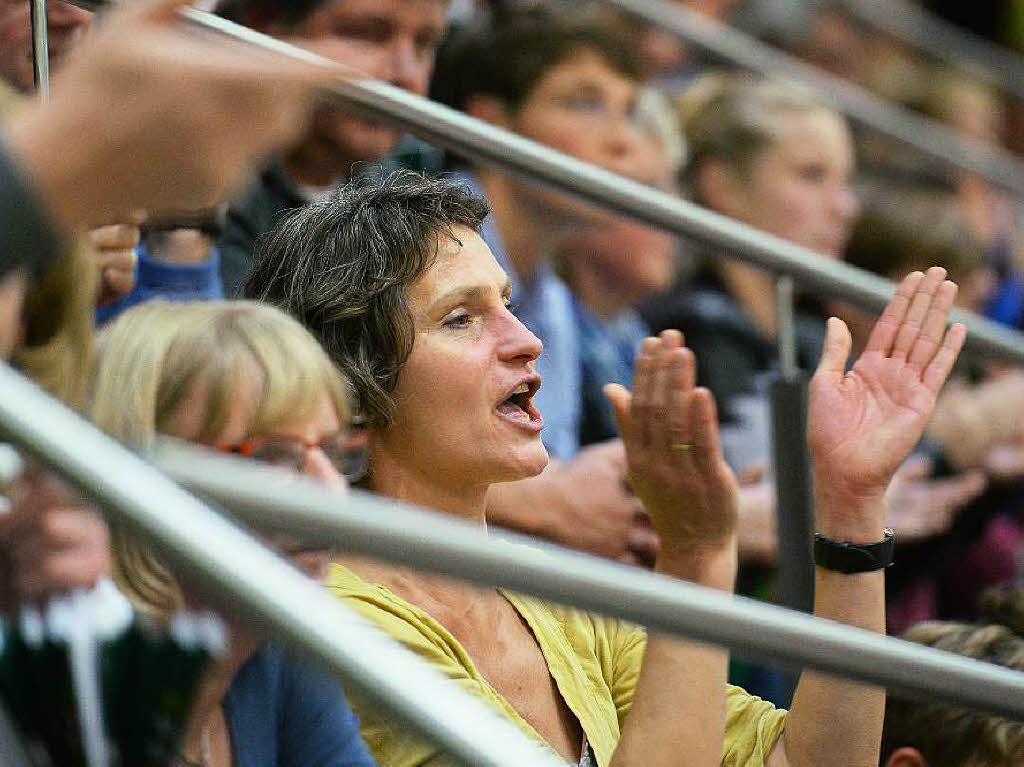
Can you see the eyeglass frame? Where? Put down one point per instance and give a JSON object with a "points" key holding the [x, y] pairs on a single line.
{"points": [[248, 448]]}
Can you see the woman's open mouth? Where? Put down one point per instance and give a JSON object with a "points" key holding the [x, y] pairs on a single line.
{"points": [[518, 407]]}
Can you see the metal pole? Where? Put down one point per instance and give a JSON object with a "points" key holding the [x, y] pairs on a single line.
{"points": [[391, 531], [912, 24], [791, 461], [535, 162], [933, 139], [40, 48], [246, 578], [936, 141]]}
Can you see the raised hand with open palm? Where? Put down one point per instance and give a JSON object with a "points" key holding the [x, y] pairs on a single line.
{"points": [[864, 422]]}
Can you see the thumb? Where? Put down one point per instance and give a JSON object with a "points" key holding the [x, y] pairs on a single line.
{"points": [[916, 467], [836, 349], [621, 401]]}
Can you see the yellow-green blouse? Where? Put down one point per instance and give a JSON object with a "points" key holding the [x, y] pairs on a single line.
{"points": [[595, 662]]}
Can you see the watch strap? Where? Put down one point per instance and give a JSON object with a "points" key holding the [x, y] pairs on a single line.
{"points": [[847, 557]]}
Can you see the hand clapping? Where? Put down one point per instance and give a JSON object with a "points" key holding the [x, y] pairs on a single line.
{"points": [[676, 466]]}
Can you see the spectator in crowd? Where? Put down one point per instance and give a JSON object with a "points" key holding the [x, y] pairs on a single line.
{"points": [[573, 85], [394, 41], [152, 154], [66, 26], [396, 282], [248, 379], [111, 246], [978, 112], [830, 40], [951, 558], [770, 155], [50, 541], [612, 267], [613, 264], [936, 734]]}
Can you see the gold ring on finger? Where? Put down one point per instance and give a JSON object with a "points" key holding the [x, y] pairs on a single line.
{"points": [[682, 447]]}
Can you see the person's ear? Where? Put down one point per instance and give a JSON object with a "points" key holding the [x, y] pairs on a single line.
{"points": [[489, 109], [720, 188], [905, 756]]}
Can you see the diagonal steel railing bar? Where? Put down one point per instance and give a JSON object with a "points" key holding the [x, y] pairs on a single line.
{"points": [[929, 137], [859, 104], [246, 578], [382, 528], [535, 162], [912, 24]]}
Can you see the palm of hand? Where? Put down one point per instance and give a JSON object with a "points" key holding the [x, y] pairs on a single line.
{"points": [[691, 499], [675, 460], [861, 425]]}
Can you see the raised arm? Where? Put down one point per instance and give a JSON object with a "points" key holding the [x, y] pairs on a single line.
{"points": [[862, 424], [677, 469]]}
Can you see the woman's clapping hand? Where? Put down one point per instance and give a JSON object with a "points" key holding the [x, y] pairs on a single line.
{"points": [[676, 466]]}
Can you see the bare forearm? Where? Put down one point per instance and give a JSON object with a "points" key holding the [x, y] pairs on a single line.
{"points": [[833, 721], [678, 714]]}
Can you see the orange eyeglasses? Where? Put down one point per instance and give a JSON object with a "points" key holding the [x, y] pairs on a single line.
{"points": [[348, 451]]}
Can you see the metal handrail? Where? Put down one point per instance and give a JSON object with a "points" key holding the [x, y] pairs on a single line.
{"points": [[860, 105], [388, 530], [913, 25], [247, 579], [497, 147], [929, 137], [491, 145]]}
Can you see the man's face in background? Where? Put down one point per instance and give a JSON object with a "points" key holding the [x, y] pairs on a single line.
{"points": [[66, 25], [390, 40]]}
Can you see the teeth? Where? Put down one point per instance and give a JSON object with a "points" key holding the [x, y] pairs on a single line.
{"points": [[522, 389]]}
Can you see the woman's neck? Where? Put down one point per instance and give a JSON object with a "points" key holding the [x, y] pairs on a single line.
{"points": [[601, 299], [207, 740], [450, 601], [525, 235], [755, 292], [428, 488]]}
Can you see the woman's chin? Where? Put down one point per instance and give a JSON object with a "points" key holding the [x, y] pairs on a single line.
{"points": [[525, 464]]}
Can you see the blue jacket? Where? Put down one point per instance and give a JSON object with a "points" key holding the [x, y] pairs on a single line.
{"points": [[281, 713], [160, 279]]}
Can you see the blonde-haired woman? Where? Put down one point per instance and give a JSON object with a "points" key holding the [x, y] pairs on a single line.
{"points": [[245, 378]]}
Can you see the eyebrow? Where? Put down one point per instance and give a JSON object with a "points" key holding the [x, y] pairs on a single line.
{"points": [[469, 294]]}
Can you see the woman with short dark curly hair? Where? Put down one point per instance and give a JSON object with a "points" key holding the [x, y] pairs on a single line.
{"points": [[395, 280]]}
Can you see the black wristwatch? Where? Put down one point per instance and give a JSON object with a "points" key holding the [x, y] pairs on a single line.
{"points": [[846, 557]]}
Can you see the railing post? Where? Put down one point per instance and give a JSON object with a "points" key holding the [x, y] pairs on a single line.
{"points": [[40, 48], [794, 505], [791, 459]]}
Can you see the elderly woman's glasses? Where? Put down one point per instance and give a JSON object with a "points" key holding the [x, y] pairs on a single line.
{"points": [[347, 451]]}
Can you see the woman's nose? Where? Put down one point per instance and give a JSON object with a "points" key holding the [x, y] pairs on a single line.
{"points": [[319, 467], [520, 342]]}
